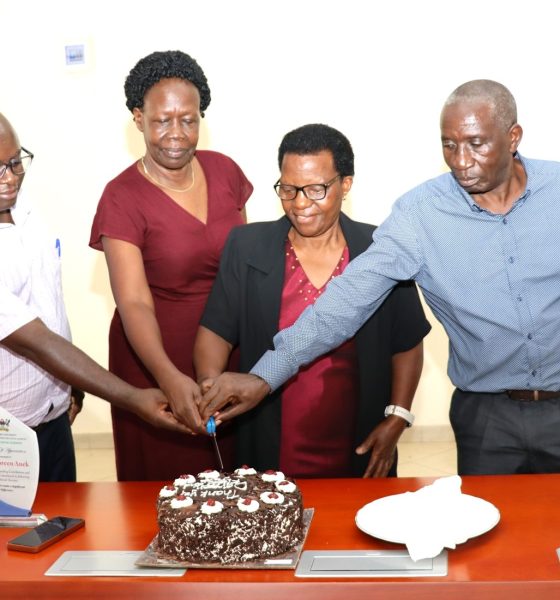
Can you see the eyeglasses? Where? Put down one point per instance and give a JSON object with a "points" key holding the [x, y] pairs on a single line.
{"points": [[313, 191], [18, 165]]}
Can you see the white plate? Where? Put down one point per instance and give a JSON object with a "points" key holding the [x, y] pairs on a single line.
{"points": [[401, 517]]}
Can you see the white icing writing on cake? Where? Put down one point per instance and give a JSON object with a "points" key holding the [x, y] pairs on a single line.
{"points": [[247, 505], [273, 476], [211, 507], [181, 501], [272, 497], [286, 486], [167, 491], [226, 486], [183, 480]]}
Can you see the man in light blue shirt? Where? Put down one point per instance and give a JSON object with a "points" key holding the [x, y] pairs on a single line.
{"points": [[482, 243]]}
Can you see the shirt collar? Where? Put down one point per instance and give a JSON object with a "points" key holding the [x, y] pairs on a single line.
{"points": [[21, 210], [476, 208]]}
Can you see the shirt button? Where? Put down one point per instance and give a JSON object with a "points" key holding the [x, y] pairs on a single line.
{"points": [[511, 259], [504, 221], [533, 373], [530, 336], [519, 299]]}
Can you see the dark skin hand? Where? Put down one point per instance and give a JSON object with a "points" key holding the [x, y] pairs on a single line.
{"points": [[382, 442], [76, 405], [56, 355], [235, 393]]}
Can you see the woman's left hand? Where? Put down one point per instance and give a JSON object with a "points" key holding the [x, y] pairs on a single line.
{"points": [[382, 441]]}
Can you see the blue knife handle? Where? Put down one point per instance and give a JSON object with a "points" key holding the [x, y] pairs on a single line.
{"points": [[211, 426]]}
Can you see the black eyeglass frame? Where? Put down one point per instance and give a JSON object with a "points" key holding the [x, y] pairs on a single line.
{"points": [[302, 189], [16, 161]]}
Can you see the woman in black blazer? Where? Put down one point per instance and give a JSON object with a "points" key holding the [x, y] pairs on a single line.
{"points": [[328, 421]]}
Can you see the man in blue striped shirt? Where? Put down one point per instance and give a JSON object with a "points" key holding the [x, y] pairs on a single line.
{"points": [[483, 244]]}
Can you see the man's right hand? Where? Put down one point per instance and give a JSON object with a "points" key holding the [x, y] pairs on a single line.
{"points": [[236, 393], [152, 406]]}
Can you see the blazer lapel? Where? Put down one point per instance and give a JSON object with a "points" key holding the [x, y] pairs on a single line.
{"points": [[267, 261], [357, 238]]}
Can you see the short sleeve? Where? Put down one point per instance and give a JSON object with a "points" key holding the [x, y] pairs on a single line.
{"points": [[119, 213], [13, 313], [243, 186], [227, 181]]}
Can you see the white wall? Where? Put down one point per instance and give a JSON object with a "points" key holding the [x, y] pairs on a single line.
{"points": [[378, 71]]}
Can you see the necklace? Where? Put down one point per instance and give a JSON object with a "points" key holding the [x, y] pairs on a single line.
{"points": [[167, 186]]}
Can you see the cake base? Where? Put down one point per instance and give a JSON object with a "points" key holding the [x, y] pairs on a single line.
{"points": [[288, 560]]}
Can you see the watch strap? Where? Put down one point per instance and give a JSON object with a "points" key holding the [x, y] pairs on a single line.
{"points": [[399, 411]]}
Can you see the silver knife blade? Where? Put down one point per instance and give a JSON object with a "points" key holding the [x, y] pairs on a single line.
{"points": [[218, 455]]}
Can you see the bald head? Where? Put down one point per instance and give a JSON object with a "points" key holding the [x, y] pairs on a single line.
{"points": [[8, 134], [491, 93], [10, 182]]}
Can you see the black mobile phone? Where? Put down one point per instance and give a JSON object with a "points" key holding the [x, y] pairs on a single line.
{"points": [[45, 534]]}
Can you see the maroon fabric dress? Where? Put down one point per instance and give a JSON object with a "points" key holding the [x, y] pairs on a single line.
{"points": [[318, 420], [181, 257]]}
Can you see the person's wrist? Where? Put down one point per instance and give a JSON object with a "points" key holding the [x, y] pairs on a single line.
{"points": [[169, 380], [264, 386]]}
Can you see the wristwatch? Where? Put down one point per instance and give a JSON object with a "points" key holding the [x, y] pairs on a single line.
{"points": [[399, 411]]}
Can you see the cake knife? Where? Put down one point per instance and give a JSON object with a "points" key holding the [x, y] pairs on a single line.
{"points": [[211, 429]]}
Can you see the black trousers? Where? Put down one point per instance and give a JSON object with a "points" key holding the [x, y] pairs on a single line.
{"points": [[56, 450], [498, 435]]}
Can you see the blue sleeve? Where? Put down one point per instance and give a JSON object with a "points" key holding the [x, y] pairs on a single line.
{"points": [[348, 301]]}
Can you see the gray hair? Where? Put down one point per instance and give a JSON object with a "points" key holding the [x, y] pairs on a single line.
{"points": [[493, 94]]}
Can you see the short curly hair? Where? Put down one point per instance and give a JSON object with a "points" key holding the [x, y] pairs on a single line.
{"points": [[316, 137], [164, 65]]}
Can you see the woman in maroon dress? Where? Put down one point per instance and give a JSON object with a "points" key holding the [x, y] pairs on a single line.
{"points": [[162, 224]]}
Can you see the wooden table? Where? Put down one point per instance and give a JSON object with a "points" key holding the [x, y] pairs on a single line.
{"points": [[517, 559]]}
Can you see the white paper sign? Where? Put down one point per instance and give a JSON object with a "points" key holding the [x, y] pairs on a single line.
{"points": [[19, 466]]}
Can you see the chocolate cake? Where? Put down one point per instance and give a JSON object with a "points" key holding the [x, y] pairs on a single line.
{"points": [[229, 517]]}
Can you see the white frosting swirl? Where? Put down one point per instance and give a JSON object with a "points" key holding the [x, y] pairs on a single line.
{"points": [[167, 491], [245, 506], [209, 509], [272, 497], [184, 480], [242, 471], [274, 476], [286, 486], [209, 475], [181, 502]]}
